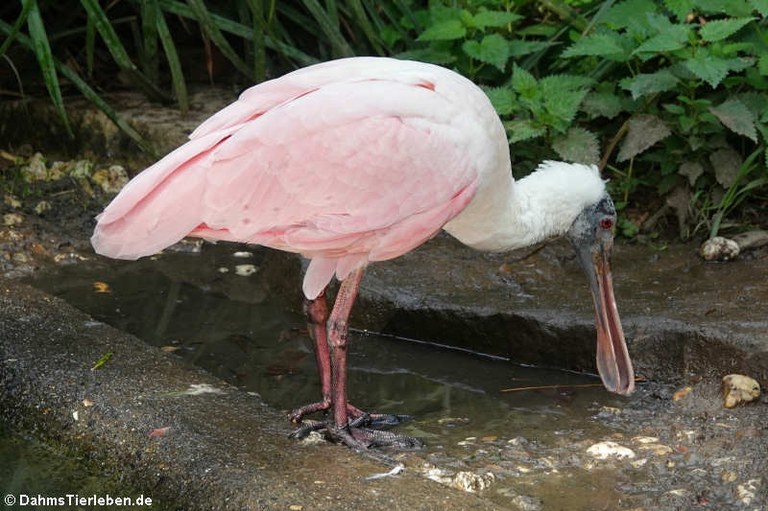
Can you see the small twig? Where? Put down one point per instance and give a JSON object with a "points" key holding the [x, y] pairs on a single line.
{"points": [[547, 387]]}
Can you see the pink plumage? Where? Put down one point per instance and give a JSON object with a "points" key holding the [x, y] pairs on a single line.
{"points": [[361, 160], [347, 162]]}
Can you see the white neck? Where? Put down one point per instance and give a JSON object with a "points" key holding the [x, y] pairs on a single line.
{"points": [[505, 215]]}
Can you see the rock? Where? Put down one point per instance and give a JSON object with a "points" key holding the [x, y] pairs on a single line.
{"points": [[245, 270], [725, 249], [739, 389], [751, 239], [719, 249], [471, 482], [605, 450], [111, 179], [11, 219]]}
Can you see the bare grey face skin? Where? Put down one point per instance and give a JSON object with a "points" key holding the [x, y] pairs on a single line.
{"points": [[591, 235]]}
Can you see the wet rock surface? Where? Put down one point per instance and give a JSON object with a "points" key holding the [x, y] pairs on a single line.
{"points": [[221, 449]]}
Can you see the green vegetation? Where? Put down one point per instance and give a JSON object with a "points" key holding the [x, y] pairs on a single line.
{"points": [[669, 97]]}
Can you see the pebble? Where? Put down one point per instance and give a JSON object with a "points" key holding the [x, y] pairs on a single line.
{"points": [[719, 249], [11, 219], [605, 450], [245, 270], [739, 389]]}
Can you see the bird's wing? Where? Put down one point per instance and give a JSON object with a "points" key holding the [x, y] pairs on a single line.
{"points": [[364, 170]]}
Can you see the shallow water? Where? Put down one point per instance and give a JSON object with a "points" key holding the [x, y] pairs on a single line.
{"points": [[237, 329], [33, 474]]}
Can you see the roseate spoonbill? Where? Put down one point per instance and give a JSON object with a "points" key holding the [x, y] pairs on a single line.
{"points": [[361, 160]]}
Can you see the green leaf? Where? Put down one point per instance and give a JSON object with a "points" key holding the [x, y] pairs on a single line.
{"points": [[102, 360], [523, 82], [598, 45], [493, 49], [718, 30], [644, 131], [564, 106], [736, 117], [680, 8], [602, 104], [735, 8], [622, 14], [650, 83], [495, 19], [578, 146], [523, 129], [553, 84], [726, 162], [447, 30], [502, 99], [433, 55], [672, 38], [519, 47], [708, 68], [760, 6]]}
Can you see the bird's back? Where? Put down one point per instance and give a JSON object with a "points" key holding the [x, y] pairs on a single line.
{"points": [[346, 162]]}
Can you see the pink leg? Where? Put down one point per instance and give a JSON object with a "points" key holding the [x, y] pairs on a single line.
{"points": [[317, 320], [347, 423], [338, 328]]}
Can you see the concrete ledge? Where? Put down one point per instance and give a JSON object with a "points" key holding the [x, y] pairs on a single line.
{"points": [[223, 450]]}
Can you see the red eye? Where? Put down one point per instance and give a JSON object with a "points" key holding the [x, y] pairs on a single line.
{"points": [[606, 223]]}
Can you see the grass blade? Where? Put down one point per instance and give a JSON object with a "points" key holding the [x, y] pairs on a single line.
{"points": [[362, 20], [86, 91], [25, 7], [102, 105], [172, 56], [260, 23], [329, 28], [211, 29], [180, 9], [90, 45], [149, 30], [117, 50], [42, 49]]}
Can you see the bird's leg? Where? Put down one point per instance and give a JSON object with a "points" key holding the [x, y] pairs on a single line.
{"points": [[317, 320], [338, 330], [348, 424], [353, 433]]}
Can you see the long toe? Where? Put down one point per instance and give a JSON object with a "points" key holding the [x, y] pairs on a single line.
{"points": [[376, 438]]}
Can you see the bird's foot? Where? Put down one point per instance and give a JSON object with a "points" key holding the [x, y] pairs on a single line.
{"points": [[354, 414], [360, 434]]}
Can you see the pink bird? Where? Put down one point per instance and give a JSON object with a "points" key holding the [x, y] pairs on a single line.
{"points": [[360, 160]]}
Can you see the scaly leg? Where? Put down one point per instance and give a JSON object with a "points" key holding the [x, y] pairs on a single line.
{"points": [[331, 331]]}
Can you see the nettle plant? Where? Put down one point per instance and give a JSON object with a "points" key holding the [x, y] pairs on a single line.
{"points": [[670, 95], [688, 80]]}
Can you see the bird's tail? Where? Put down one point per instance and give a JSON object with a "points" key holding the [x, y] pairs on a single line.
{"points": [[158, 207]]}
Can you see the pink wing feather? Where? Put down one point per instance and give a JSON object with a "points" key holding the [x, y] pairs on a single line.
{"points": [[344, 171]]}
